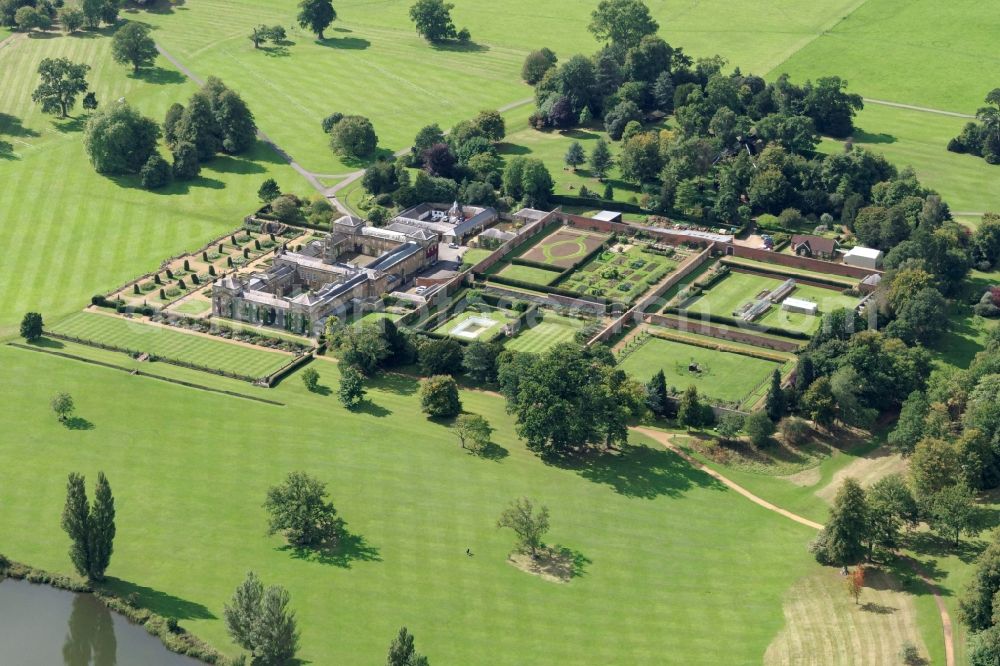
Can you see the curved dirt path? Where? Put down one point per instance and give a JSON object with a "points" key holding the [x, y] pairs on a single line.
{"points": [[665, 439]]}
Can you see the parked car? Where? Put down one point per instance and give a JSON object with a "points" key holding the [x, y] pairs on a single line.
{"points": [[421, 289], [453, 246]]}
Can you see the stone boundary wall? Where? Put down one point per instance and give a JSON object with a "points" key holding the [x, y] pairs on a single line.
{"points": [[526, 232], [795, 261], [709, 329], [546, 299], [754, 270]]}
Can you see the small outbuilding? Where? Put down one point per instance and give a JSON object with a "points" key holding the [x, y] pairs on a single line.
{"points": [[799, 305], [608, 216], [806, 245], [864, 257]]}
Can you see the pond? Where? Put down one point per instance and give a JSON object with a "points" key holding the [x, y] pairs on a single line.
{"points": [[43, 626]]}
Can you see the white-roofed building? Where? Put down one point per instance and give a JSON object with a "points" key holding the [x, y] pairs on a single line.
{"points": [[799, 305], [864, 257]]}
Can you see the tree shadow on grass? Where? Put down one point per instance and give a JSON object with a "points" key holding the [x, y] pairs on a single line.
{"points": [[11, 126], [861, 136], [78, 423], [7, 151], [160, 603], [578, 561], [70, 124], [579, 134], [47, 343], [366, 406], [321, 389], [174, 188], [276, 51], [396, 383], [638, 471], [349, 548], [879, 609], [933, 545], [347, 43], [159, 75], [505, 148], [460, 47], [233, 164], [490, 451], [94, 33]]}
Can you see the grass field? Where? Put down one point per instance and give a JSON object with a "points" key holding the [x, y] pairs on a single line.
{"points": [[67, 232], [414, 501], [172, 344], [552, 330], [918, 139], [725, 376], [882, 45], [531, 274], [386, 72], [732, 291]]}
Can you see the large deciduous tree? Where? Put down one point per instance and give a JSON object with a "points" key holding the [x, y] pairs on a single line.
{"points": [[62, 82], [439, 396], [119, 140], [31, 326], [132, 45], [298, 508], [353, 136], [622, 22], [316, 16], [432, 19]]}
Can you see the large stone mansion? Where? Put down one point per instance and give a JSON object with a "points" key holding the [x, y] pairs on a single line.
{"points": [[346, 271]]}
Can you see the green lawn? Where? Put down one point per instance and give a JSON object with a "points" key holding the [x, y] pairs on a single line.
{"points": [[791, 271], [728, 294], [414, 501], [551, 146], [67, 232], [919, 139], [725, 376], [192, 307], [920, 52], [530, 274], [172, 344], [386, 72], [552, 330]]}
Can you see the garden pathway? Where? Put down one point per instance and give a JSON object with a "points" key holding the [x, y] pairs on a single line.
{"points": [[912, 107], [665, 439]]}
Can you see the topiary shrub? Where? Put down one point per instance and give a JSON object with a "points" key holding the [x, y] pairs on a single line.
{"points": [[163, 295], [170, 274]]}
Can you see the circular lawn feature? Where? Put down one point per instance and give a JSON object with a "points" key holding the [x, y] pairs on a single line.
{"points": [[565, 249]]}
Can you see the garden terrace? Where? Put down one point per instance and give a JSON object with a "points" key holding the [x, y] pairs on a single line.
{"points": [[172, 345], [187, 291]]}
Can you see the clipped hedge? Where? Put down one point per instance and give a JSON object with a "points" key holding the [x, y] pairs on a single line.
{"points": [[721, 346], [739, 323], [531, 286]]}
